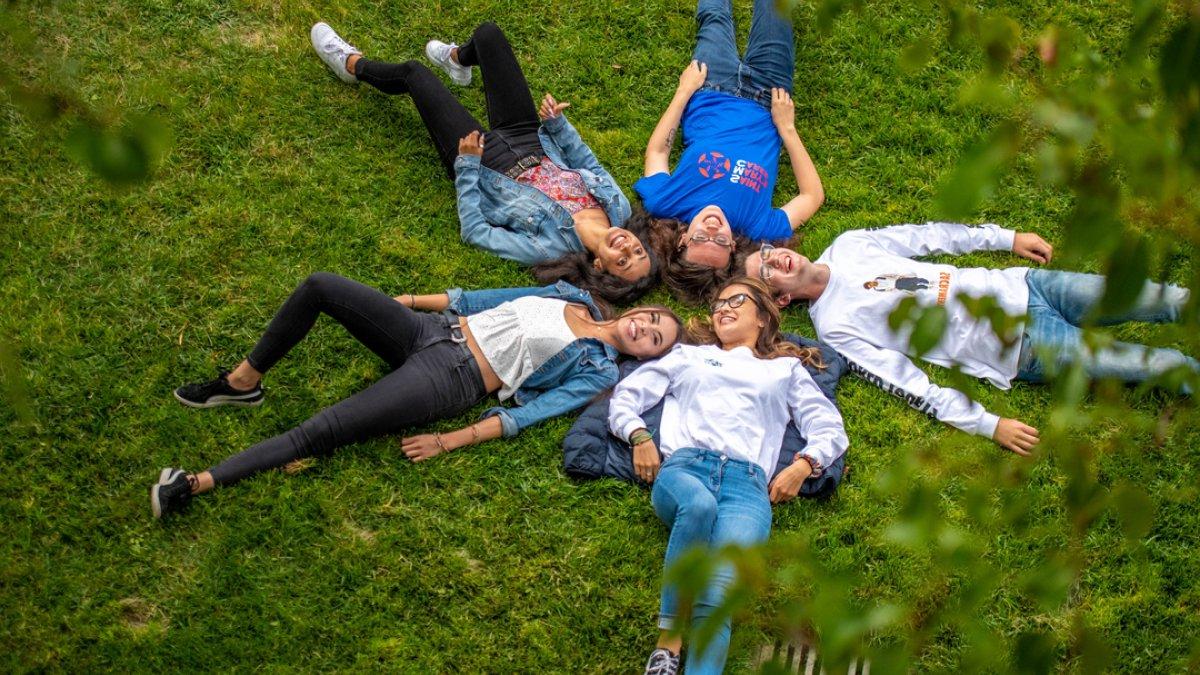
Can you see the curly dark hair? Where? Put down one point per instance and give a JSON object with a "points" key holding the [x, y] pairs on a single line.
{"points": [[689, 282], [577, 269]]}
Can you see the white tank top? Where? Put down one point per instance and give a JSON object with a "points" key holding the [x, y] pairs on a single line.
{"points": [[520, 335]]}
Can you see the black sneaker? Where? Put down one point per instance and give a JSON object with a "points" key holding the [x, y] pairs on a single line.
{"points": [[217, 392], [662, 662], [171, 493]]}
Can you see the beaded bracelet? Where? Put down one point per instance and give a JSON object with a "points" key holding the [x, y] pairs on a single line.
{"points": [[639, 437]]}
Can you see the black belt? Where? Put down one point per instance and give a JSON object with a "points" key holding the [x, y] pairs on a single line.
{"points": [[524, 164]]}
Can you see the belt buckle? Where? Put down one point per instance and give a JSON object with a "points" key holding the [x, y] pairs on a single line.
{"points": [[456, 334]]}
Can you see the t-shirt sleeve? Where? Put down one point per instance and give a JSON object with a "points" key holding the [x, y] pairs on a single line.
{"points": [[775, 226], [650, 189]]}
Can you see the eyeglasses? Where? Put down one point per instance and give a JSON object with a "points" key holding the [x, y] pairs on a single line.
{"points": [[733, 302], [700, 238], [765, 271]]}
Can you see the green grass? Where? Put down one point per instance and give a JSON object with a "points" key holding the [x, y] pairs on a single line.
{"points": [[487, 560]]}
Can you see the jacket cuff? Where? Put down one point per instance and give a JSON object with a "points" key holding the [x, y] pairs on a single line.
{"points": [[1004, 237], [631, 426], [556, 123], [507, 423], [456, 296], [465, 161]]}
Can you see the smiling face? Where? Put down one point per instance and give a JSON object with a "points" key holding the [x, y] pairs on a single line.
{"points": [[736, 325], [645, 333], [709, 223], [782, 269], [622, 254]]}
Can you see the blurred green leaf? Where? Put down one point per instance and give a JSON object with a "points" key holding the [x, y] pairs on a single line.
{"points": [[1179, 65], [974, 178], [916, 55], [1135, 509], [928, 329], [1127, 274], [1034, 652]]}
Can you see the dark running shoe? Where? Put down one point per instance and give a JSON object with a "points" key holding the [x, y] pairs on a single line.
{"points": [[171, 493], [217, 392], [662, 662]]}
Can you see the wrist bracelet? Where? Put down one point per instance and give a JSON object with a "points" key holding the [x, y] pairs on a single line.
{"points": [[639, 437], [474, 434], [437, 438], [412, 301]]}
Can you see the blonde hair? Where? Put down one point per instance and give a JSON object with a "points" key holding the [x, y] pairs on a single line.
{"points": [[770, 343]]}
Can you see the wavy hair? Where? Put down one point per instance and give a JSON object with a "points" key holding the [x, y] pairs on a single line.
{"points": [[770, 343], [577, 269], [687, 281]]}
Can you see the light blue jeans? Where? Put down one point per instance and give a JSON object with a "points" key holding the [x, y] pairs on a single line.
{"points": [[770, 59], [708, 500], [1060, 302]]}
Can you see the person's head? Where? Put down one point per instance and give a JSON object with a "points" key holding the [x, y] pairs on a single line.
{"points": [[743, 313], [690, 281], [783, 271], [612, 274], [708, 240], [870, 284], [647, 332]]}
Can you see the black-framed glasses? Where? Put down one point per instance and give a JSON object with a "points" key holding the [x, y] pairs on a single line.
{"points": [[764, 270], [719, 240], [733, 302]]}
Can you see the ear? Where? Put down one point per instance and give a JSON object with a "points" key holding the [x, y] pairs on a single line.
{"points": [[682, 239], [784, 299], [599, 267]]}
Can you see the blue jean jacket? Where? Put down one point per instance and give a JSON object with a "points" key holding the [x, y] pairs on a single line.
{"points": [[568, 380], [519, 222]]}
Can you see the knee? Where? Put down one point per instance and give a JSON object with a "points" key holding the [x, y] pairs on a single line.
{"points": [[318, 283], [487, 32]]}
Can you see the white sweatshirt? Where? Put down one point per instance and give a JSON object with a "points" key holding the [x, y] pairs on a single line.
{"points": [[730, 402], [871, 271]]}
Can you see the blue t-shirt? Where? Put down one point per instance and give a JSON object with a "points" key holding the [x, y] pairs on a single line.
{"points": [[730, 158]]}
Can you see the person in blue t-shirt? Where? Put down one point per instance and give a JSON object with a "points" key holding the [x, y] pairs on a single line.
{"points": [[736, 112]]}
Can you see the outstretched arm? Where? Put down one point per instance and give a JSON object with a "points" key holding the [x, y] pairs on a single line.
{"points": [[424, 446], [811, 194], [658, 149]]}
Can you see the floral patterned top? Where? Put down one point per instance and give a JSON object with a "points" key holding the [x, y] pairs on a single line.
{"points": [[562, 185]]}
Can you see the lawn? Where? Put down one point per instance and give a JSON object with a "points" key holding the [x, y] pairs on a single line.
{"points": [[489, 559]]}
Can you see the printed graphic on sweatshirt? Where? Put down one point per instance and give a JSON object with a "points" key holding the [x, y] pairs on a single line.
{"points": [[715, 166], [910, 283]]}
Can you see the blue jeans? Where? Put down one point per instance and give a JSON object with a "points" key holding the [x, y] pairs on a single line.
{"points": [[770, 59], [708, 500], [1059, 302]]}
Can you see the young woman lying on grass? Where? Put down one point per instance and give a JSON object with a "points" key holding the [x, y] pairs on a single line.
{"points": [[550, 349], [529, 189], [735, 113], [727, 406]]}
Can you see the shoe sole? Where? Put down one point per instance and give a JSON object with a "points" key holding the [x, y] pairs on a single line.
{"points": [[155, 506], [218, 400], [439, 64]]}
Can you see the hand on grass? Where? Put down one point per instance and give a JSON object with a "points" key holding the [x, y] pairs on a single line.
{"points": [[783, 110], [787, 484], [1016, 436], [645, 461], [551, 108], [471, 144], [693, 77], [1029, 245], [420, 448]]}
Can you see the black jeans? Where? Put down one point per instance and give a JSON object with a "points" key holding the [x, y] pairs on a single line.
{"points": [[512, 114], [434, 373]]}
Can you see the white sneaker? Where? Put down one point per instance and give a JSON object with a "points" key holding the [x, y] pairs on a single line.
{"points": [[333, 50], [439, 53]]}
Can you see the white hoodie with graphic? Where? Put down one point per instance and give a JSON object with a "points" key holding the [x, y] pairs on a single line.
{"points": [[871, 271]]}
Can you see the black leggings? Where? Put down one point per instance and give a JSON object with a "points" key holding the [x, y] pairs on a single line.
{"points": [[512, 114], [433, 375]]}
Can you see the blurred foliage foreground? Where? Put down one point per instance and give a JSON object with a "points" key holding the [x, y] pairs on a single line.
{"points": [[1123, 138]]}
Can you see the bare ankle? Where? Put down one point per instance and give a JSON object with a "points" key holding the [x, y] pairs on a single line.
{"points": [[454, 55], [352, 61]]}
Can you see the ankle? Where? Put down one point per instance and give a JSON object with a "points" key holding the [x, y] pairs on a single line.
{"points": [[351, 62], [243, 382], [454, 55]]}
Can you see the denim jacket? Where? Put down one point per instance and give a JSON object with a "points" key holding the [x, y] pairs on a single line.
{"points": [[519, 222], [568, 380]]}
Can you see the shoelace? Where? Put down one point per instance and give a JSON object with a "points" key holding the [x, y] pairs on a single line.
{"points": [[661, 663]]}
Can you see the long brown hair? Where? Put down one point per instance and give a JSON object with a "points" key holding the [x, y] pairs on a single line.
{"points": [[771, 343], [577, 269]]}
